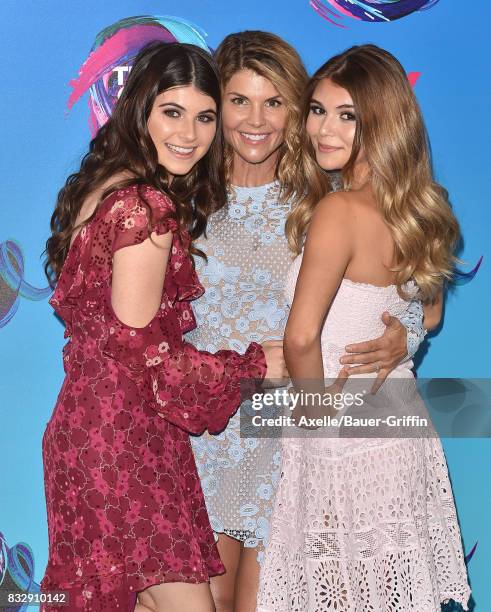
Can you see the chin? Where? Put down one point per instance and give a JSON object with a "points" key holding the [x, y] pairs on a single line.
{"points": [[330, 164], [177, 169], [329, 167], [256, 159], [255, 156], [180, 171]]}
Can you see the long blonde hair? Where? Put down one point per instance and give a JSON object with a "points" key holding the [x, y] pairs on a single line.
{"points": [[391, 131], [274, 59]]}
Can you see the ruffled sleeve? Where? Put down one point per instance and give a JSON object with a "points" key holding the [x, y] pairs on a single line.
{"points": [[126, 217], [193, 389]]}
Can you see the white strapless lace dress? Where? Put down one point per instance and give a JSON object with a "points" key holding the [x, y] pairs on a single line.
{"points": [[362, 524]]}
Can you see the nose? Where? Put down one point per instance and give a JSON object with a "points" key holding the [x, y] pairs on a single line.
{"points": [[256, 116], [326, 128], [188, 129]]}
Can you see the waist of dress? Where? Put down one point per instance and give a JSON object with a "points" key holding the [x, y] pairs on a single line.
{"points": [[206, 338]]}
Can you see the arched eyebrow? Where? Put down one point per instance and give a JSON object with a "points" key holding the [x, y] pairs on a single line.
{"points": [[236, 93], [240, 95], [175, 105], [172, 104], [314, 101]]}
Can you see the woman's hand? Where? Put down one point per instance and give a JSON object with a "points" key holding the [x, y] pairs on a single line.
{"points": [[276, 373], [381, 355]]}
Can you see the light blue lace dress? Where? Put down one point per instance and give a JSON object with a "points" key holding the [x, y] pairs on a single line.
{"points": [[248, 259]]}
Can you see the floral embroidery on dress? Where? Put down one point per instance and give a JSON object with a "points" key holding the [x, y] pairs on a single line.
{"points": [[125, 506], [248, 258], [362, 523]]}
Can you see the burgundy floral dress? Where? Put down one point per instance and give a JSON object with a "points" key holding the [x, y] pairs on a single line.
{"points": [[125, 507]]}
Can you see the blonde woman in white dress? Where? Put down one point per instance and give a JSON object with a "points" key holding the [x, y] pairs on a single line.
{"points": [[364, 524]]}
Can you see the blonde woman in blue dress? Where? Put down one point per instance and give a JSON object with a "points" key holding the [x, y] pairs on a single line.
{"points": [[263, 80]]}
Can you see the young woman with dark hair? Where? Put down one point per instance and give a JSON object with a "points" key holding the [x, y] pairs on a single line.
{"points": [[126, 514]]}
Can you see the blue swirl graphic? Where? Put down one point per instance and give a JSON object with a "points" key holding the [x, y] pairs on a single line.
{"points": [[12, 283], [17, 568], [462, 278]]}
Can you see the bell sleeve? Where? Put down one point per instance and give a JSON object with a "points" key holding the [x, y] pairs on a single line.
{"points": [[195, 390]]}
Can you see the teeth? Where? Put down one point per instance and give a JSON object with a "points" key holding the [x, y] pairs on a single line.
{"points": [[254, 137], [177, 149]]}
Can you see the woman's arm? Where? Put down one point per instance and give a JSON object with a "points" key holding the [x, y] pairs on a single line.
{"points": [[433, 313], [192, 389], [138, 279], [327, 253]]}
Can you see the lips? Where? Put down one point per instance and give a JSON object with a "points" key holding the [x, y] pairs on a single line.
{"points": [[323, 148]]}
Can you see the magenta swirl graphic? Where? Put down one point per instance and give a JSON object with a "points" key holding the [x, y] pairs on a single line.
{"points": [[12, 283], [104, 72], [368, 10]]}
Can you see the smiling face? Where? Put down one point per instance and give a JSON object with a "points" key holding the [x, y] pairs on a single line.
{"points": [[182, 125], [331, 125], [254, 117]]}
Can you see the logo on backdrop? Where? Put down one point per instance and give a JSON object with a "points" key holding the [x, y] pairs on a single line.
{"points": [[104, 72], [368, 10]]}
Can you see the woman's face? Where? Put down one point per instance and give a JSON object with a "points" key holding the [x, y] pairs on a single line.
{"points": [[254, 116], [182, 125], [331, 125]]}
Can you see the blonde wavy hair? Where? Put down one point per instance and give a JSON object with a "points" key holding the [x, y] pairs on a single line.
{"points": [[390, 129], [274, 59]]}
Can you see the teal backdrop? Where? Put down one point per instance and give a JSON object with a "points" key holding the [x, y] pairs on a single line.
{"points": [[44, 45]]}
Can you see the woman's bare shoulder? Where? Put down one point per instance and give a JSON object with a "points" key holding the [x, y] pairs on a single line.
{"points": [[335, 206]]}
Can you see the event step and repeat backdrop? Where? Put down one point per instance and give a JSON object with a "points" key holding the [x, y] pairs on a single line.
{"points": [[61, 68]]}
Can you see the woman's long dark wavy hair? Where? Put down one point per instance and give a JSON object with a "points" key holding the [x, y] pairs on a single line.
{"points": [[123, 144]]}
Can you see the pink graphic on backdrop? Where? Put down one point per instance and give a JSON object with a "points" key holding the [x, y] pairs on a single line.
{"points": [[109, 55], [413, 77], [104, 71]]}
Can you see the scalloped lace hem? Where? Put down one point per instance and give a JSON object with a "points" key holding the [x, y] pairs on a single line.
{"points": [[396, 581]]}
